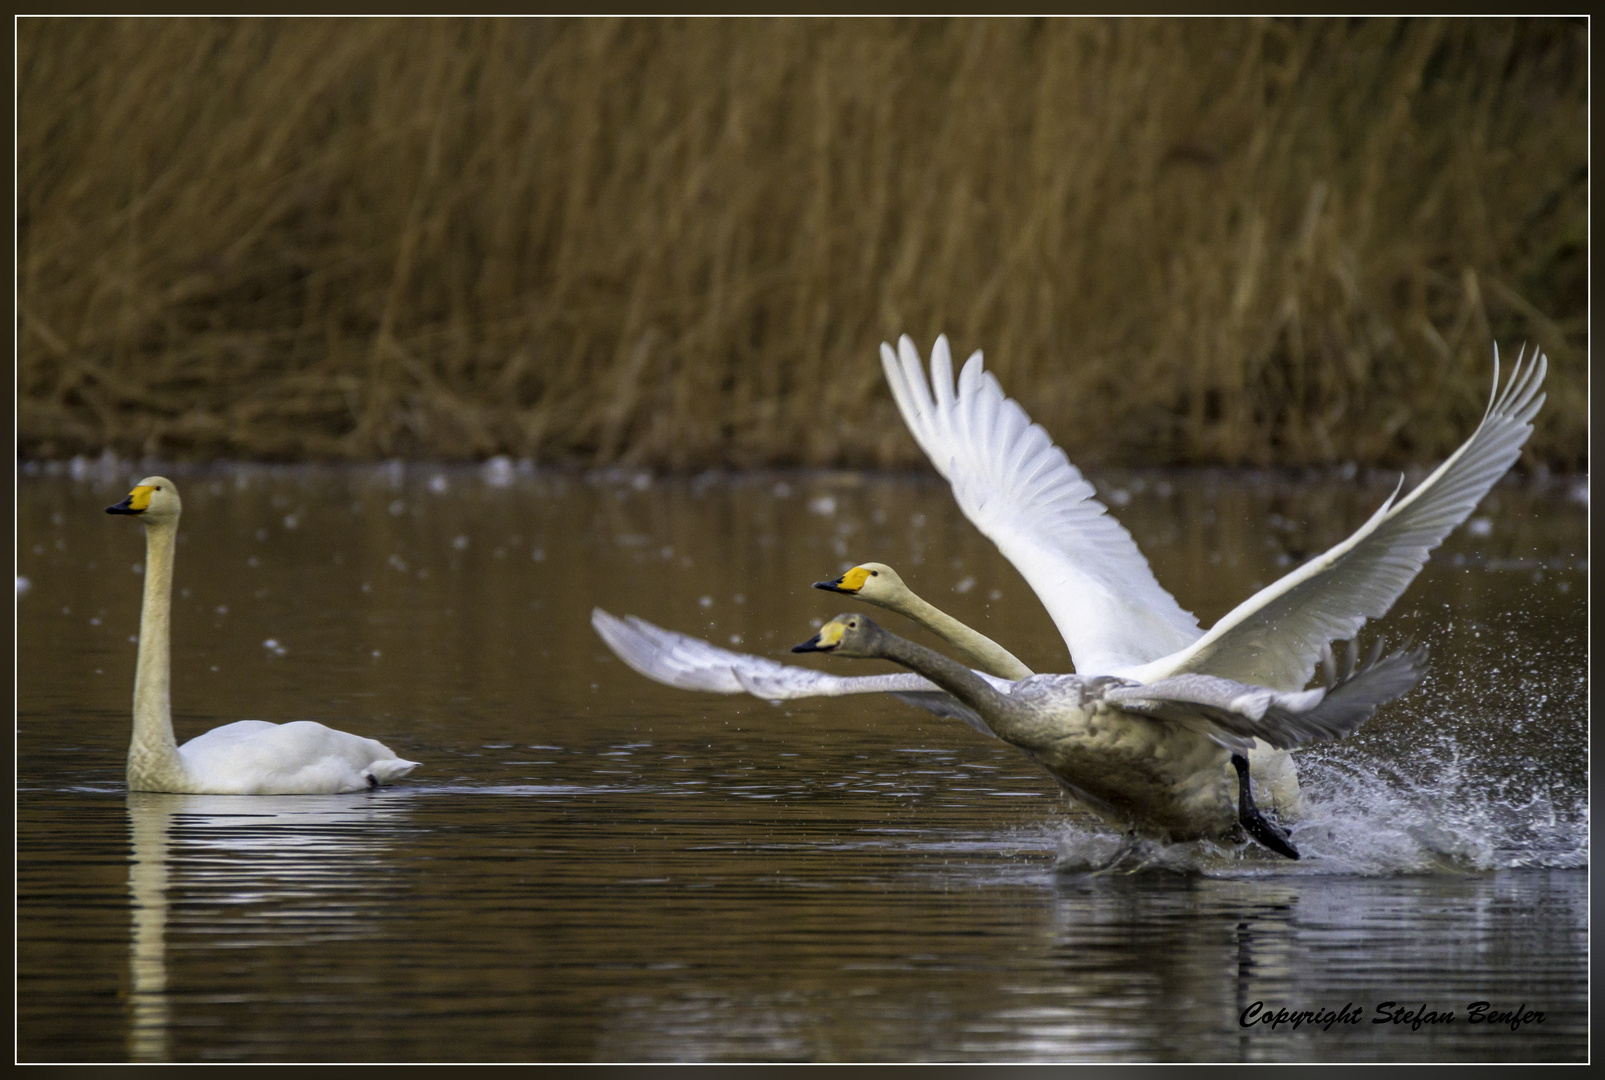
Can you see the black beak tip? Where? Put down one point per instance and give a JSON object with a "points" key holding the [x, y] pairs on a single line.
{"points": [[828, 586], [119, 508]]}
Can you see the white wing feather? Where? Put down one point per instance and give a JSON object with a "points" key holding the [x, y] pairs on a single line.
{"points": [[692, 664], [1021, 491], [1275, 637]]}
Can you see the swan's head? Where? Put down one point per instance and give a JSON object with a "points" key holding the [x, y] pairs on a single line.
{"points": [[872, 581], [845, 635], [154, 498]]}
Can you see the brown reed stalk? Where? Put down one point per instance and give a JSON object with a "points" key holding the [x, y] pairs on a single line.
{"points": [[677, 243]]}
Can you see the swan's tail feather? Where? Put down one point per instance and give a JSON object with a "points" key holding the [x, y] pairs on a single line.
{"points": [[390, 770]]}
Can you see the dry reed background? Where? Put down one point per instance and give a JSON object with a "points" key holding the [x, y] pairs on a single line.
{"points": [[678, 243]]}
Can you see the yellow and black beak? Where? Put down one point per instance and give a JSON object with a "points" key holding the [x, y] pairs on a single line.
{"points": [[829, 636], [849, 583], [138, 502]]}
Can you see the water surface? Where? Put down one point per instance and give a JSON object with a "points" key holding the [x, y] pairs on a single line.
{"points": [[591, 867]]}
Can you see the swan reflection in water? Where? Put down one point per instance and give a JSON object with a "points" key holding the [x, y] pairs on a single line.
{"points": [[276, 867]]}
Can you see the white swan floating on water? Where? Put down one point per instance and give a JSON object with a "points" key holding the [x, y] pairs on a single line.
{"points": [[248, 757], [1021, 491]]}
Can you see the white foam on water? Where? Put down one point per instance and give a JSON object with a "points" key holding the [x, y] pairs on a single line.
{"points": [[1445, 811], [1442, 809]]}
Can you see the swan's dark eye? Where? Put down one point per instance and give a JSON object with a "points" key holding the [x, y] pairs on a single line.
{"points": [[874, 573]]}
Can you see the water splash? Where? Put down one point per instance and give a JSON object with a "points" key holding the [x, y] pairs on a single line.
{"points": [[1443, 810], [1444, 813]]}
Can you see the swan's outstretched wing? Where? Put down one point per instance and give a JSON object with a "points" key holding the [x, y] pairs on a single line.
{"points": [[1021, 491], [1234, 714], [1275, 636], [692, 664]]}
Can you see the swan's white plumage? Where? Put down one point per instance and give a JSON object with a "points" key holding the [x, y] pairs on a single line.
{"points": [[1275, 636], [302, 757], [248, 757], [1021, 491]]}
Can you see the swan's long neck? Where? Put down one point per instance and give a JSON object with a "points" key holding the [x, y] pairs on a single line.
{"points": [[153, 761], [1002, 713], [980, 650]]}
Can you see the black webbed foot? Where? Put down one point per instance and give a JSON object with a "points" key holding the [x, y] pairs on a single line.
{"points": [[1255, 823]]}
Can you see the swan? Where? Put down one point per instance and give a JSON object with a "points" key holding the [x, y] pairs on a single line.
{"points": [[248, 757], [1021, 491], [692, 664], [1149, 757]]}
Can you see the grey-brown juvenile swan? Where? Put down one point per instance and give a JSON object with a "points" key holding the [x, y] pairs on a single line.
{"points": [[1151, 757]]}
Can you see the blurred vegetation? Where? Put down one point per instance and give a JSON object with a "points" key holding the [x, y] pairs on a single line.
{"points": [[678, 243]]}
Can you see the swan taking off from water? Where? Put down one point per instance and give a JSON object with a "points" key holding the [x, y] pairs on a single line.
{"points": [[1147, 756], [692, 664], [1021, 491], [248, 757]]}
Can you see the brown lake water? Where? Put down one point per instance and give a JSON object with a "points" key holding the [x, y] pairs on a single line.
{"points": [[588, 866]]}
